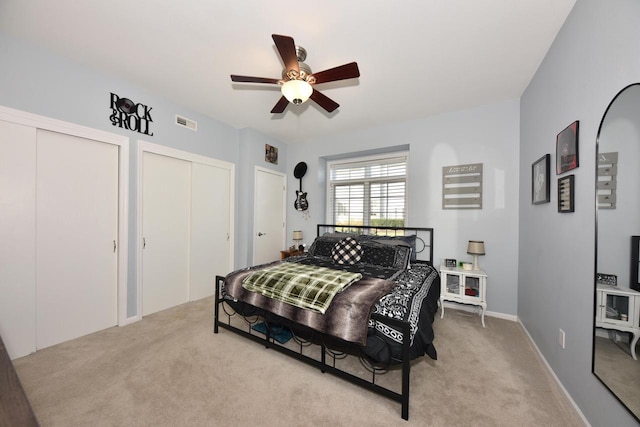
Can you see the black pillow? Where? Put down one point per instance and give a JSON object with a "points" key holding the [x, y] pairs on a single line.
{"points": [[380, 254], [347, 251], [409, 240], [323, 245]]}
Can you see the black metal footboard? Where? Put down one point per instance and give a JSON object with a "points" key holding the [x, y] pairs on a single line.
{"points": [[323, 364]]}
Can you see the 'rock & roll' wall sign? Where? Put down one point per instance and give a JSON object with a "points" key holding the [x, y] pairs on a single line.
{"points": [[130, 115]]}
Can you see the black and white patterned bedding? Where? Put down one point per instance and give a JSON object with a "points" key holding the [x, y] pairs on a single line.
{"points": [[414, 300]]}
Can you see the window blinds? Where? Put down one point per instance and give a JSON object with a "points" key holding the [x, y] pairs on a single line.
{"points": [[368, 192]]}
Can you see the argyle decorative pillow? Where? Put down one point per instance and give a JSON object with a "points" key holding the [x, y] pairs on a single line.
{"points": [[347, 251]]}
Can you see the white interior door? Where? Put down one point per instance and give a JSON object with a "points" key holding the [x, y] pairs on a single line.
{"points": [[269, 216], [165, 230], [18, 237], [210, 228], [77, 233]]}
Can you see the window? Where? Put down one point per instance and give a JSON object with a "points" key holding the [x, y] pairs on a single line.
{"points": [[368, 191]]}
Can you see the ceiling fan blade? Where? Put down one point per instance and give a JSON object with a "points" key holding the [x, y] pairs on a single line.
{"points": [[249, 79], [327, 103], [287, 49], [280, 105], [343, 72]]}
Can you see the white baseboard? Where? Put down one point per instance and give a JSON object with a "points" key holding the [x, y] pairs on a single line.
{"points": [[130, 320], [555, 377], [476, 309], [504, 316]]}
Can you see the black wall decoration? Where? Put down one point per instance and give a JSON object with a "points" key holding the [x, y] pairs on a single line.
{"points": [[566, 191], [301, 203], [128, 115], [567, 148]]}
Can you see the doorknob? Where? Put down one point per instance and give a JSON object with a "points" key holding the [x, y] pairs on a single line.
{"points": [[261, 234]]}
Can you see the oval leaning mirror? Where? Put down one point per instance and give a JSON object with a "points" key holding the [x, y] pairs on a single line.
{"points": [[616, 354]]}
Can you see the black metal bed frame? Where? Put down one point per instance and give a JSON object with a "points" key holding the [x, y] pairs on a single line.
{"points": [[269, 342]]}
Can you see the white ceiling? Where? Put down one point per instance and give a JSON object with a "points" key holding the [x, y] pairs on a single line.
{"points": [[416, 57]]}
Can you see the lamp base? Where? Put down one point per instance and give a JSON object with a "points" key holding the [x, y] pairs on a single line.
{"points": [[475, 263]]}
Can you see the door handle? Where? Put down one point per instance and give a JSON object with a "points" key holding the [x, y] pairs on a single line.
{"points": [[261, 234], [144, 243], [114, 246]]}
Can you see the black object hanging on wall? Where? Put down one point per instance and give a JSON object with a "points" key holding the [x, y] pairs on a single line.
{"points": [[127, 114], [301, 203]]}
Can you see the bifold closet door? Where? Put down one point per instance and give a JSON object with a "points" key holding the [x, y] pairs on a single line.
{"points": [[166, 196], [210, 228], [76, 240]]}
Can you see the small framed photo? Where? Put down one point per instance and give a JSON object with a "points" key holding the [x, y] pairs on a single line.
{"points": [[606, 279], [566, 192], [540, 182], [567, 149], [450, 263], [271, 154]]}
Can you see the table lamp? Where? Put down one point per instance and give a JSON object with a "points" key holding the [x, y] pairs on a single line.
{"points": [[475, 248], [297, 236]]}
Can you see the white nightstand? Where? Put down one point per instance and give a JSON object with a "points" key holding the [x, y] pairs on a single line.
{"points": [[619, 309], [464, 287]]}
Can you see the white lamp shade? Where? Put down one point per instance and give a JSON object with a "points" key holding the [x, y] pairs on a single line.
{"points": [[475, 247], [297, 235], [296, 91]]}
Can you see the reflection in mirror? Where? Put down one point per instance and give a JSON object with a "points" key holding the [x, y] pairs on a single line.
{"points": [[617, 308]]}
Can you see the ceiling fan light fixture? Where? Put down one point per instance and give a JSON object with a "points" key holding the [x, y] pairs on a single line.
{"points": [[296, 91]]}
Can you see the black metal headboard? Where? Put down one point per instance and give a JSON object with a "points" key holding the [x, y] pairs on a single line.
{"points": [[424, 236]]}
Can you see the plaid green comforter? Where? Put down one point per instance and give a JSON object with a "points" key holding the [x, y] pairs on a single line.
{"points": [[303, 286]]}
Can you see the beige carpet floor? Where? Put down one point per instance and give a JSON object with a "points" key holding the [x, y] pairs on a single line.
{"points": [[170, 369]]}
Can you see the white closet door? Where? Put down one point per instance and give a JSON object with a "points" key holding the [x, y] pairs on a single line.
{"points": [[77, 227], [165, 230], [18, 238], [210, 228]]}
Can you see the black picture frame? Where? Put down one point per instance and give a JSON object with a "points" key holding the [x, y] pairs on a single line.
{"points": [[540, 182], [567, 153], [566, 191]]}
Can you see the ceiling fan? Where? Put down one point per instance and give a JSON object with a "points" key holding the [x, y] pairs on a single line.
{"points": [[297, 79]]}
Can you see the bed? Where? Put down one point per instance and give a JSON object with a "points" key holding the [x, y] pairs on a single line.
{"points": [[364, 292]]}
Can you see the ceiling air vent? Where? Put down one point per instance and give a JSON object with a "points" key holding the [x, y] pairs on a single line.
{"points": [[184, 122]]}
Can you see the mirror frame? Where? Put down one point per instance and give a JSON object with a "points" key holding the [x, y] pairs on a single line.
{"points": [[595, 266]]}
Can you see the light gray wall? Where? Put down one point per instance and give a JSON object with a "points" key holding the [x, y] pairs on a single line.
{"points": [[487, 134], [40, 82], [593, 57]]}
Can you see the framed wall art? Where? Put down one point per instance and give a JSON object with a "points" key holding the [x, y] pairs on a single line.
{"points": [[567, 148], [271, 154], [607, 182], [540, 182], [566, 192], [462, 186]]}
